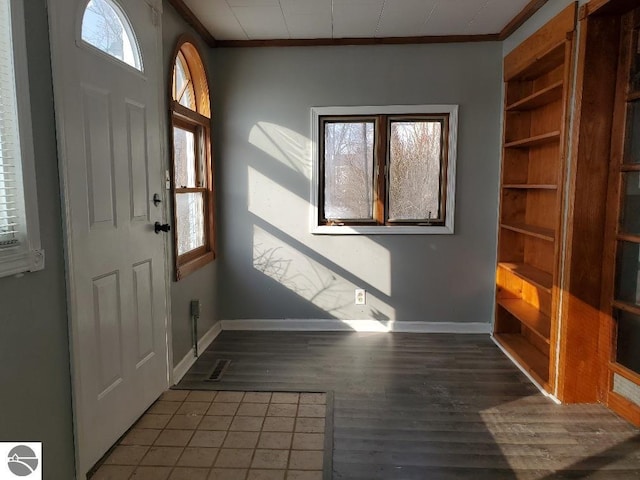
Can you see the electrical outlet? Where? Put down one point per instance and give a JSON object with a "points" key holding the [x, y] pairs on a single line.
{"points": [[361, 296]]}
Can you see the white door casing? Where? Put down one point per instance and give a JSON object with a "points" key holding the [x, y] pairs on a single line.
{"points": [[110, 148]]}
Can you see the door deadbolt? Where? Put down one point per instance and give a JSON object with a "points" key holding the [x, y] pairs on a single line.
{"points": [[161, 227]]}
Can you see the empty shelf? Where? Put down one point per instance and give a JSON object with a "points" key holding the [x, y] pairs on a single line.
{"points": [[530, 316], [533, 275]]}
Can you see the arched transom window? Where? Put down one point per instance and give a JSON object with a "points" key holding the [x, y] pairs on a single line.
{"points": [[192, 172], [106, 27]]}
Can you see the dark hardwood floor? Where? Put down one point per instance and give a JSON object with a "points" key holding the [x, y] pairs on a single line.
{"points": [[428, 407]]}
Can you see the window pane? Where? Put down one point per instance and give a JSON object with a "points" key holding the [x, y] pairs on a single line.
{"points": [[635, 69], [190, 220], [184, 148], [628, 340], [415, 170], [183, 84], [105, 27], [631, 203], [9, 212], [628, 273], [348, 170], [632, 151]]}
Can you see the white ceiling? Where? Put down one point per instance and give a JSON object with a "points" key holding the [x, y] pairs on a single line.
{"points": [[296, 19]]}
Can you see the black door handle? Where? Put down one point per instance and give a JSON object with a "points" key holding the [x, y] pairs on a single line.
{"points": [[161, 227]]}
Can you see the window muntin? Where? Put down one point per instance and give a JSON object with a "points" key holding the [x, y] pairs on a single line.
{"points": [[413, 149], [19, 228], [106, 27], [192, 172]]}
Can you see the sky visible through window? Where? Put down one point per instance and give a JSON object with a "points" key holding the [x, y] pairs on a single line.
{"points": [[104, 27]]}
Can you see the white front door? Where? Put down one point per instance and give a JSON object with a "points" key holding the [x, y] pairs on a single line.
{"points": [[109, 134]]}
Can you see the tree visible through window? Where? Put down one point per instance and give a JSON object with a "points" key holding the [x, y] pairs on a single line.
{"points": [[105, 26], [192, 178], [348, 156], [417, 170], [385, 167]]}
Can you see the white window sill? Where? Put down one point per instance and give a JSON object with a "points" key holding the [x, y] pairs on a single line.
{"points": [[20, 262]]}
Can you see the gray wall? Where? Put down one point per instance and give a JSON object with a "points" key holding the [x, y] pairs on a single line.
{"points": [[35, 384], [200, 284], [272, 266]]}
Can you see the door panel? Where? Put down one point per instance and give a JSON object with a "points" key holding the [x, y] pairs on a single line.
{"points": [[137, 155], [99, 154], [143, 298], [108, 327]]}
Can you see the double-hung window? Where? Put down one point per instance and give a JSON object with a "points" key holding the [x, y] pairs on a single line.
{"points": [[192, 176], [384, 169], [19, 232]]}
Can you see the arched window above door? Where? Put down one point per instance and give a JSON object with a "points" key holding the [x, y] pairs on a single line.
{"points": [[106, 27]]}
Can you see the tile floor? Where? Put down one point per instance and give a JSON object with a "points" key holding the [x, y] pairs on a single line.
{"points": [[205, 435]]}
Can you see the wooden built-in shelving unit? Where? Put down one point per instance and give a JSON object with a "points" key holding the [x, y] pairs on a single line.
{"points": [[567, 310], [537, 78]]}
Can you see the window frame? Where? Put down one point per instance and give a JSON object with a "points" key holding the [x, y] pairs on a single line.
{"points": [[28, 255], [380, 224], [190, 120]]}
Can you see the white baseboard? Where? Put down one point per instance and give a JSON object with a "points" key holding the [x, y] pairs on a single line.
{"points": [[189, 359], [293, 325]]}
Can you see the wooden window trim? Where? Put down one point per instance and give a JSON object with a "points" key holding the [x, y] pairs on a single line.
{"points": [[180, 111], [381, 167], [199, 123]]}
